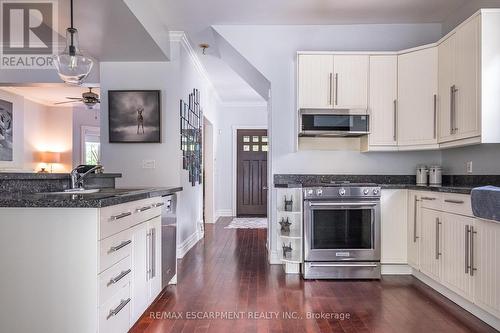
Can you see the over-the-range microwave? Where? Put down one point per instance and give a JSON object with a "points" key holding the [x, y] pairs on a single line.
{"points": [[331, 123]]}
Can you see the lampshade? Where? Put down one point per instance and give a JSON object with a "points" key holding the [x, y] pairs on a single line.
{"points": [[49, 157]]}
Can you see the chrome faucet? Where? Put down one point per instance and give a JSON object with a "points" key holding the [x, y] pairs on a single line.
{"points": [[77, 179]]}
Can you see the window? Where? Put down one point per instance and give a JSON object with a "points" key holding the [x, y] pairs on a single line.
{"points": [[91, 145]]}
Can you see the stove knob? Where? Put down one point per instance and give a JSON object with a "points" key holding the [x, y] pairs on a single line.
{"points": [[319, 192], [310, 192], [342, 191], [376, 191], [366, 191]]}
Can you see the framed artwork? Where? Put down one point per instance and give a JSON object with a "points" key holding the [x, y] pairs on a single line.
{"points": [[191, 124], [134, 116], [6, 131]]}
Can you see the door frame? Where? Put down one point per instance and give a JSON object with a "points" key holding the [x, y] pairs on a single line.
{"points": [[234, 177]]}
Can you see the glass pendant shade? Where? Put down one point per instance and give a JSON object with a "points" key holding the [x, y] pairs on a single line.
{"points": [[72, 66]]}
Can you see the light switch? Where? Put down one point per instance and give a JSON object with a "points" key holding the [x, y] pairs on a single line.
{"points": [[469, 167], [148, 164]]}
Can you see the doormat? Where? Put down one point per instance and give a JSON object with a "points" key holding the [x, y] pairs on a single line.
{"points": [[248, 223]]}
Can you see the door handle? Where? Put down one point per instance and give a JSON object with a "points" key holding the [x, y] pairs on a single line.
{"points": [[415, 237], [438, 253], [336, 89], [472, 268], [467, 248], [343, 204], [452, 89], [343, 265], [264, 187]]}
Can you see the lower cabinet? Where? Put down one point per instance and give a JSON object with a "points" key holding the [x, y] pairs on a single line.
{"points": [[430, 243], [146, 256], [393, 227], [413, 229]]}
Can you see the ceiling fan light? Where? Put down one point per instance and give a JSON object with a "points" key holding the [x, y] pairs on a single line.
{"points": [[72, 66]]}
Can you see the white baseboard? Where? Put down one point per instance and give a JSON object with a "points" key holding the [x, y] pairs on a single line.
{"points": [[487, 317], [396, 269], [223, 213], [291, 268], [173, 280], [274, 258], [188, 243]]}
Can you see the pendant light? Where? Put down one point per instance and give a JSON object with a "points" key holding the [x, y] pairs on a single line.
{"points": [[72, 66]]}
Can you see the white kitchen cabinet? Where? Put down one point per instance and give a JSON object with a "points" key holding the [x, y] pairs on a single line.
{"points": [[146, 254], [351, 82], [393, 227], [417, 98], [459, 81], [382, 101], [486, 257], [413, 229], [431, 241], [328, 81], [315, 81], [455, 254]]}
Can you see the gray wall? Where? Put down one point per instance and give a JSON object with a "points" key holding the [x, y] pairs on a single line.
{"points": [[469, 8], [485, 160]]}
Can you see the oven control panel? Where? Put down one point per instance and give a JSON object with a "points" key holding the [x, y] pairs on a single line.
{"points": [[342, 192]]}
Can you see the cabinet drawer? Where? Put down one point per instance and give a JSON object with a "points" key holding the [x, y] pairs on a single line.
{"points": [[114, 315], [114, 248], [431, 200], [112, 280], [457, 204]]}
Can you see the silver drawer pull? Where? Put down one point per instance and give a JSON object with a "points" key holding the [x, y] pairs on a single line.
{"points": [[454, 201], [119, 277], [143, 209], [120, 216], [117, 310], [159, 204], [427, 198], [118, 247]]}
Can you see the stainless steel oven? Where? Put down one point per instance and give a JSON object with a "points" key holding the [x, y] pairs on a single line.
{"points": [[342, 231]]}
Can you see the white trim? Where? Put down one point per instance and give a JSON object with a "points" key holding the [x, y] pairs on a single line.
{"points": [[235, 129], [396, 269], [83, 130], [274, 258], [173, 280], [487, 317], [188, 243], [223, 213], [247, 104]]}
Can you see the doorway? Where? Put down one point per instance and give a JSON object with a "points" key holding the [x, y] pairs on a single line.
{"points": [[251, 172]]}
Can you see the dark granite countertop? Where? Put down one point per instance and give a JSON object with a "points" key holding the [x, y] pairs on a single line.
{"points": [[43, 176], [103, 198]]}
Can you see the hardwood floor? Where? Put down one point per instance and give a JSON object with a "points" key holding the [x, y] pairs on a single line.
{"points": [[228, 272]]}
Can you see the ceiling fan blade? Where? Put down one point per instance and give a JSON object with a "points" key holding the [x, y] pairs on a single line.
{"points": [[65, 102], [74, 98]]}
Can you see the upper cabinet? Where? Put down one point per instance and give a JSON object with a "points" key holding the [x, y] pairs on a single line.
{"points": [[327, 81], [417, 93], [459, 77]]}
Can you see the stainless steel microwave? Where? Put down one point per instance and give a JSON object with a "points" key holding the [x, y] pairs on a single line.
{"points": [[332, 123]]}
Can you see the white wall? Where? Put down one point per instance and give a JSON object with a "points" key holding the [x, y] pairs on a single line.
{"points": [[176, 79], [485, 160], [82, 117], [227, 118]]}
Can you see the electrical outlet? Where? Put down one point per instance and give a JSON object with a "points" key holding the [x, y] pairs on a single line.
{"points": [[469, 167], [148, 164]]}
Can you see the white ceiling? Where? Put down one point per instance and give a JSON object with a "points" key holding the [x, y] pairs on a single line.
{"points": [[50, 94], [195, 18]]}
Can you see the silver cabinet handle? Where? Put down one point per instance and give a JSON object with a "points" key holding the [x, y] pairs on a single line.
{"points": [[118, 247], [342, 204], [452, 89], [415, 237], [336, 89], [142, 209], [343, 265], [435, 116], [455, 90], [472, 268], [438, 253], [119, 277], [330, 88], [428, 198], [467, 248], [153, 253], [159, 204], [117, 310], [120, 216], [395, 130], [454, 201]]}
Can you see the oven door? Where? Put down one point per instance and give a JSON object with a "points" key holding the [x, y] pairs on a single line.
{"points": [[341, 231]]}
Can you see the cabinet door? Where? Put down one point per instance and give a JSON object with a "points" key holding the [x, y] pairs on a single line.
{"points": [[456, 254], [413, 234], [382, 97], [486, 254], [155, 257], [393, 227], [430, 244], [140, 284], [446, 81], [467, 123], [417, 93], [315, 81], [351, 82]]}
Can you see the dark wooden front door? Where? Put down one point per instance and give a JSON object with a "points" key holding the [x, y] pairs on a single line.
{"points": [[251, 196]]}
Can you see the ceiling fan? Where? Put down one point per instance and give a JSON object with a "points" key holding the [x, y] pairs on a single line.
{"points": [[89, 98]]}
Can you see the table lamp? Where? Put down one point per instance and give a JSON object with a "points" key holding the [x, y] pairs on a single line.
{"points": [[48, 157]]}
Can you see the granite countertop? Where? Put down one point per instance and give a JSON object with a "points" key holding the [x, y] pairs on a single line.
{"points": [[43, 176], [103, 198]]}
